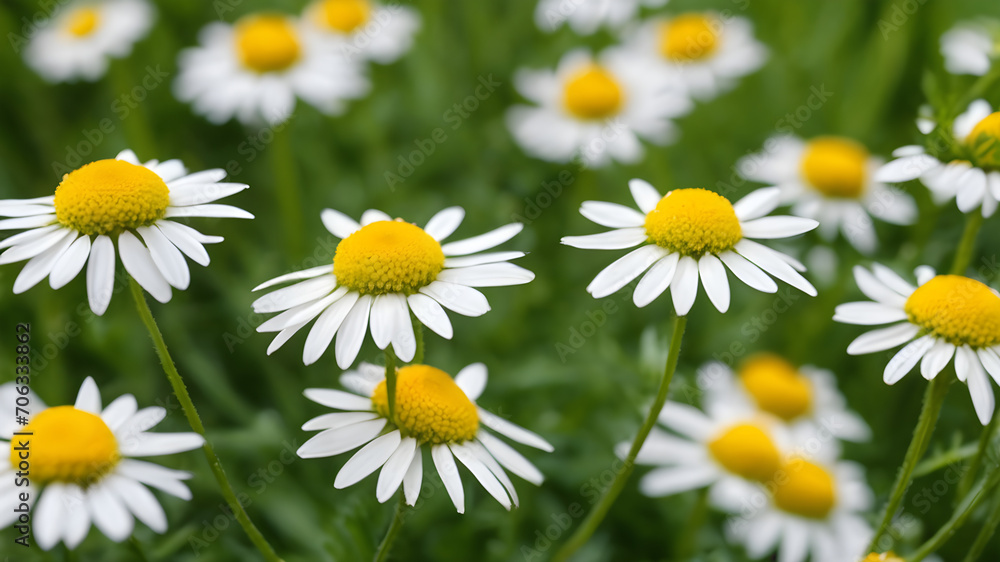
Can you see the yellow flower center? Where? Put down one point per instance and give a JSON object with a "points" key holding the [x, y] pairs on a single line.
{"points": [[777, 387], [429, 406], [689, 37], [345, 15], [956, 309], [883, 557], [108, 196], [694, 222], [66, 445], [388, 257], [593, 93], [267, 42], [746, 450], [804, 489], [82, 21], [984, 140], [835, 167]]}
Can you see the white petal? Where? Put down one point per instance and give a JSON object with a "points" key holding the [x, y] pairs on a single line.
{"points": [[655, 281], [777, 227], [139, 264], [686, 420], [338, 399], [624, 270], [101, 274], [339, 224], [512, 431], [88, 398], [337, 419], [31, 249], [296, 276], [340, 440], [108, 512], [166, 256], [71, 263], [484, 456], [29, 236], [370, 458], [202, 177], [446, 468], [180, 236], [510, 458], [684, 288], [936, 359], [352, 332], [50, 516], [758, 203], [646, 196], [459, 298], [472, 380], [210, 210], [612, 240], [374, 215], [979, 384], [753, 276], [480, 259], [41, 265], [155, 444], [991, 362], [328, 324], [383, 318], [77, 517], [394, 469], [883, 339], [876, 290], [487, 275], [413, 480], [430, 314], [907, 358], [774, 263], [140, 501], [303, 292], [444, 223], [906, 168], [673, 480], [27, 222], [714, 279], [867, 313], [158, 477], [892, 280], [191, 193], [119, 411], [483, 241], [482, 474], [612, 215]]}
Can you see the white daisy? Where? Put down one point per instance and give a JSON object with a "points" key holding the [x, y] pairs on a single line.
{"points": [[82, 469], [365, 29], [586, 16], [689, 234], [432, 412], [972, 178], [595, 110], [253, 70], [110, 200], [970, 48], [384, 269], [702, 52], [78, 41], [830, 179], [945, 316]]}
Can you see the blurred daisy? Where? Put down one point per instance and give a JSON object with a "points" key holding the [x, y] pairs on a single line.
{"points": [[689, 234], [703, 52], [830, 179], [364, 29], [78, 41], [81, 457], [110, 200], [595, 110], [433, 412], [969, 48], [944, 316], [253, 70], [883, 557], [384, 269], [586, 16], [974, 179]]}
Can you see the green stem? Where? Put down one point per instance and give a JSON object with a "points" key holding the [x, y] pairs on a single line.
{"points": [[963, 255], [970, 473], [968, 505], [986, 533], [688, 542], [385, 546], [137, 547], [180, 390], [390, 381], [286, 187], [418, 333], [590, 524]]}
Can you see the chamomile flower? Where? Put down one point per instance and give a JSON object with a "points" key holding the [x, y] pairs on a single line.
{"points": [[382, 270], [689, 234], [882, 557], [970, 48], [254, 69], [705, 53], [594, 109], [973, 178], [830, 179], [943, 317], [432, 412], [78, 41], [116, 200], [364, 29], [82, 466], [587, 16]]}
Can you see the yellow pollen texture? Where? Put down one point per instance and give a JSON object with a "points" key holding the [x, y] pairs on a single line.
{"points": [[689, 37], [958, 310], [694, 222], [108, 196], [83, 21], [593, 93], [345, 15], [746, 450], [267, 42], [984, 141], [805, 489], [388, 257], [776, 386], [66, 445], [429, 406], [835, 166]]}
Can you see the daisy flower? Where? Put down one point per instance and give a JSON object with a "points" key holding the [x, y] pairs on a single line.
{"points": [[384, 269], [78, 41], [973, 178], [969, 48], [433, 412], [253, 70], [594, 109], [703, 52], [689, 234], [586, 16], [82, 460], [366, 29], [944, 316], [830, 179], [116, 200]]}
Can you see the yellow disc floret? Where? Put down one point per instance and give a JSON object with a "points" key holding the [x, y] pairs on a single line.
{"points": [[777, 386], [429, 406], [81, 22], [108, 196], [689, 37], [835, 167], [694, 222], [958, 310], [984, 141], [746, 450], [593, 93], [882, 557], [388, 257], [344, 15], [65, 445], [267, 42], [805, 489]]}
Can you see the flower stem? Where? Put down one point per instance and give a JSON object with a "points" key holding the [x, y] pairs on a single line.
{"points": [[418, 334], [963, 255], [177, 383], [286, 187], [590, 524], [970, 473], [390, 381], [986, 533], [385, 546]]}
